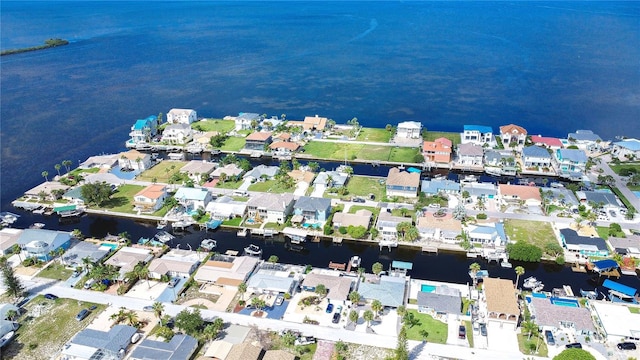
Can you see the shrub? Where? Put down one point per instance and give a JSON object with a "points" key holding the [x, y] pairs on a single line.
{"points": [[524, 252], [560, 260], [482, 216], [342, 230]]}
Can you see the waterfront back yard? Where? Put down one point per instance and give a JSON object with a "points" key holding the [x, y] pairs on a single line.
{"points": [[340, 151], [219, 125], [453, 136], [122, 199], [162, 171], [537, 233], [363, 186], [374, 135]]}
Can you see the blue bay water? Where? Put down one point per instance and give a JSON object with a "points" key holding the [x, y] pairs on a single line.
{"points": [[550, 67]]}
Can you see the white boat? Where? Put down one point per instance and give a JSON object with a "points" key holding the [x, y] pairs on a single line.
{"points": [[533, 283], [8, 218], [355, 261], [506, 264], [253, 250], [36, 226], [242, 232], [161, 224], [208, 244], [164, 236]]}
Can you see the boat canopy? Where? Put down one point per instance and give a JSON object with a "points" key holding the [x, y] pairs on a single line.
{"points": [[403, 265], [604, 265], [291, 231], [620, 288], [64, 208]]}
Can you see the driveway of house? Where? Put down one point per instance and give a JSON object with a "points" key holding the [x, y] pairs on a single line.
{"points": [[147, 292], [301, 189], [454, 323], [318, 190], [502, 339], [170, 294]]}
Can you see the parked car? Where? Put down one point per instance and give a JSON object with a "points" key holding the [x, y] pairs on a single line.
{"points": [[336, 318], [135, 338], [147, 308], [574, 346], [339, 309], [329, 308], [462, 332], [549, 336], [358, 200], [50, 296], [304, 340], [626, 346], [82, 314], [75, 274], [483, 329], [279, 300], [173, 282], [89, 283]]}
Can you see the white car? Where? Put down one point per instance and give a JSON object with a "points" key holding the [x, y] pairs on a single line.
{"points": [[279, 300], [305, 340]]}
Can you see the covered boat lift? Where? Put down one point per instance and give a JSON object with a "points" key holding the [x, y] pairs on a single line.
{"points": [[620, 292]]}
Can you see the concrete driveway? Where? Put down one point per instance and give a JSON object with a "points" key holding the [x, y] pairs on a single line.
{"points": [[318, 190], [453, 326], [501, 338]]}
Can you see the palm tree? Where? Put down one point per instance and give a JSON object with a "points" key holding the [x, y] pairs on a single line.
{"points": [[354, 297], [59, 252], [210, 332], [158, 309], [57, 167], [132, 318], [474, 268], [377, 307], [141, 271], [87, 262], [45, 175], [368, 317], [401, 310], [529, 327], [16, 249], [519, 272], [376, 268], [119, 316], [353, 316], [11, 314], [425, 334], [242, 288], [412, 233], [67, 164], [321, 290]]}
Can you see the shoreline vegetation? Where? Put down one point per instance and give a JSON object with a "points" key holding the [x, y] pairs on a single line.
{"points": [[49, 43]]}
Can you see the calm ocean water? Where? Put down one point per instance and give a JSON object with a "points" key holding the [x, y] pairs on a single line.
{"points": [[551, 67]]}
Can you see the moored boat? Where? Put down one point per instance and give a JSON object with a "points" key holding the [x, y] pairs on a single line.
{"points": [[253, 250], [208, 244], [355, 261]]}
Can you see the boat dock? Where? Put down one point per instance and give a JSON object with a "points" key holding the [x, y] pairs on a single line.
{"points": [[337, 266], [430, 249]]}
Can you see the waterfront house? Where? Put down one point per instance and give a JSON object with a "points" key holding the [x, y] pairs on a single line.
{"points": [[501, 303], [605, 200], [197, 169], [271, 281], [499, 158], [224, 207], [245, 121], [74, 196], [151, 198], [180, 347], [440, 186], [338, 287], [409, 130], [8, 238], [134, 160], [477, 134], [470, 154], [175, 263], [266, 207], [262, 172], [126, 258], [550, 316], [402, 183], [514, 194], [143, 130], [80, 250], [314, 123], [108, 178], [90, 344], [246, 351], [284, 148], [536, 157], [48, 190], [387, 225], [313, 209], [491, 234], [302, 176], [547, 142], [480, 190], [106, 162], [438, 151], [230, 171], [560, 196], [629, 245], [361, 217], [588, 246], [584, 139], [39, 243], [443, 300], [389, 290], [513, 135], [616, 321], [331, 179], [193, 198], [440, 228], [226, 270], [271, 124], [258, 141], [182, 116], [629, 148], [571, 160], [177, 134]]}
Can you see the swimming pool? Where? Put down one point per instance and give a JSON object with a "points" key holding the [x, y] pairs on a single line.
{"points": [[112, 246], [565, 302], [539, 295], [427, 288]]}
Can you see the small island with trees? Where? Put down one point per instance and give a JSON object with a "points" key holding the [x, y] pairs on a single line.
{"points": [[49, 43]]}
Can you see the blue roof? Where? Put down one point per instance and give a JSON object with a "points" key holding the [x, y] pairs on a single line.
{"points": [[191, 194], [118, 337], [631, 144], [621, 288], [605, 265], [401, 265], [436, 185], [536, 151], [480, 128], [584, 135], [573, 155], [142, 123]]}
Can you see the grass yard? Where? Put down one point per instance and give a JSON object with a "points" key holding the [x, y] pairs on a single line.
{"points": [[633, 166], [55, 271], [374, 210], [233, 143], [467, 325], [453, 136], [338, 151], [437, 329], [221, 126], [122, 200], [46, 326], [634, 310], [528, 346], [159, 171], [622, 198], [229, 184], [533, 232], [233, 222], [275, 226], [374, 135], [77, 171], [404, 155], [363, 186], [270, 186]]}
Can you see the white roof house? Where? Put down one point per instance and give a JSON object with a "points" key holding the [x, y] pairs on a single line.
{"points": [[618, 322], [226, 270], [182, 116], [128, 257], [409, 130], [225, 207], [196, 168], [195, 198], [177, 133]]}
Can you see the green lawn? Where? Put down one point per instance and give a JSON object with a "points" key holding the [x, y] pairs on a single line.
{"points": [[630, 165], [453, 136], [405, 155], [159, 171], [229, 184], [55, 271], [122, 200], [533, 232], [536, 341], [221, 126], [232, 222], [363, 186], [374, 135], [622, 198], [274, 226], [437, 329], [634, 310], [233, 143], [77, 171], [374, 210], [467, 325], [338, 151], [270, 186], [46, 326]]}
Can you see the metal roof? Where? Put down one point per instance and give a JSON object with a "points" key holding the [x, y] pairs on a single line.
{"points": [[627, 290]]}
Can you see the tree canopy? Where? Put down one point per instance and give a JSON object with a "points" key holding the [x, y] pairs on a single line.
{"points": [[574, 354], [189, 321], [96, 193], [524, 252]]}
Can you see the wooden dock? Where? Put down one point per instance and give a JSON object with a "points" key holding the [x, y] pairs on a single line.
{"points": [[430, 249], [337, 266]]}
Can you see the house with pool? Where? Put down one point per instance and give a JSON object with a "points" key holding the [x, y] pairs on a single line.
{"points": [[558, 313], [40, 243]]}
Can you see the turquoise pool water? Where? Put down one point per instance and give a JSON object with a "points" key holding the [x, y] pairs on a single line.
{"points": [[112, 246], [539, 295], [565, 302], [427, 288]]}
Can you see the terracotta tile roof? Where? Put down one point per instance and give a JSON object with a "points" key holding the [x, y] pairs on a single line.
{"points": [[285, 145], [501, 296], [437, 151], [133, 155], [315, 122], [397, 177], [444, 141], [283, 136], [444, 223], [152, 191], [301, 175], [513, 129], [259, 136], [548, 141], [523, 192]]}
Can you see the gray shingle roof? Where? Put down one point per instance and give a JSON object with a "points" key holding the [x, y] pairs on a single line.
{"points": [[308, 203], [536, 151], [181, 347], [584, 135], [598, 197], [118, 337], [272, 202], [572, 237], [548, 314], [445, 303]]}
